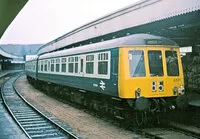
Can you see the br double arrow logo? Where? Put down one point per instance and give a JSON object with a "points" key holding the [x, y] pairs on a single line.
{"points": [[102, 85]]}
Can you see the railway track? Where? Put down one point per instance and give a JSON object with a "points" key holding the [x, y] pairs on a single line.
{"points": [[31, 121], [165, 133], [152, 132]]}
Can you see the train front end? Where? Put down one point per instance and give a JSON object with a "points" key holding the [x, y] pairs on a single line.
{"points": [[151, 77]]}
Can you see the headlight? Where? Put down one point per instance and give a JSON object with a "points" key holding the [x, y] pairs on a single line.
{"points": [[181, 90]]}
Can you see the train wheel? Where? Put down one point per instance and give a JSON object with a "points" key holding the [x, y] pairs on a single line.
{"points": [[141, 118], [72, 97]]}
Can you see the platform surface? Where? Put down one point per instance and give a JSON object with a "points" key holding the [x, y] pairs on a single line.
{"points": [[8, 128], [194, 99], [195, 103]]}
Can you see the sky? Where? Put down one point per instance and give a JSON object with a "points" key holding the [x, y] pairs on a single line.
{"points": [[41, 21]]}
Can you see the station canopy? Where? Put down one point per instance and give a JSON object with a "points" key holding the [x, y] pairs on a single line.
{"points": [[8, 11], [6, 55], [178, 20]]}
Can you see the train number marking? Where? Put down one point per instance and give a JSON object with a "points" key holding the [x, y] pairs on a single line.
{"points": [[177, 80], [153, 86], [102, 85], [160, 86]]}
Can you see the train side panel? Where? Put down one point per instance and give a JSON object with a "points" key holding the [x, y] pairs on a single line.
{"points": [[107, 84]]}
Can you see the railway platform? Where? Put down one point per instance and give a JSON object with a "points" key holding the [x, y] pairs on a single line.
{"points": [[195, 103], [9, 128], [194, 100]]}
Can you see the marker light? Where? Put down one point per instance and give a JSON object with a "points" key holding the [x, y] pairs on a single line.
{"points": [[181, 90], [175, 90], [137, 92]]}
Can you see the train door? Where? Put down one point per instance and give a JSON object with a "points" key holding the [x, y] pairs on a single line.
{"points": [[156, 73], [82, 65], [37, 67], [48, 68]]}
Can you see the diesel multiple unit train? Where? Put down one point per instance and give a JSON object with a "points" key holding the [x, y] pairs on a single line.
{"points": [[129, 77]]}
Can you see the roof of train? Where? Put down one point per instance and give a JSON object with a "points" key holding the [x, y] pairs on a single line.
{"points": [[137, 39], [31, 57]]}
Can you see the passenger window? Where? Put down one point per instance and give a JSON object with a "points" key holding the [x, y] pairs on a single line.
{"points": [[41, 65], [57, 65], [63, 65], [76, 64], [45, 65], [52, 65], [48, 69], [103, 63], [70, 64], [90, 64]]}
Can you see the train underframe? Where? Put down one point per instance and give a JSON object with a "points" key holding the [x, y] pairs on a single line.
{"points": [[142, 111]]}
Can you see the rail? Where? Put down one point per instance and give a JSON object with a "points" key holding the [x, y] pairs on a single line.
{"points": [[31, 121]]}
